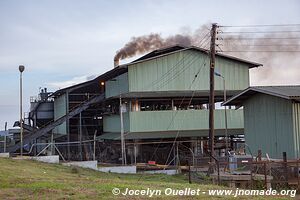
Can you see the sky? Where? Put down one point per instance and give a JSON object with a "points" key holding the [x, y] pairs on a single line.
{"points": [[62, 42]]}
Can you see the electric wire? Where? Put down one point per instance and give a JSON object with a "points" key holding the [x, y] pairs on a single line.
{"points": [[245, 44], [171, 70], [284, 51], [259, 38], [174, 116], [258, 25], [178, 131], [248, 32], [178, 73]]}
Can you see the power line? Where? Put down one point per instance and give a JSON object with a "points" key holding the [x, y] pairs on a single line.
{"points": [[174, 68], [204, 39], [268, 45], [262, 25], [206, 43], [177, 134], [259, 51], [240, 32], [174, 116], [259, 38], [178, 73]]}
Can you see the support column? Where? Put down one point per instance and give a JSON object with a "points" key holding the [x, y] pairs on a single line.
{"points": [[67, 126], [80, 136]]}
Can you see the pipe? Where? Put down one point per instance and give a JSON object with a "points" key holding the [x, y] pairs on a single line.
{"points": [[116, 63]]}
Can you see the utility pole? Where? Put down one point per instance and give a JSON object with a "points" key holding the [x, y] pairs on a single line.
{"points": [[122, 134], [212, 88]]}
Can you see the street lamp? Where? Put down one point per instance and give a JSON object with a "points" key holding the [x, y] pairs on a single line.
{"points": [[225, 111], [21, 69]]}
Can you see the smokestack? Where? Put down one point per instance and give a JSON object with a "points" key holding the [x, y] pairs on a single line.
{"points": [[116, 62]]}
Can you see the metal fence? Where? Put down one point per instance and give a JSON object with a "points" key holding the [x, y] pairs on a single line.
{"points": [[255, 174]]}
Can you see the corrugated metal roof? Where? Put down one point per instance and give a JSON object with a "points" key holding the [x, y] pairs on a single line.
{"points": [[152, 55], [177, 48], [159, 52], [286, 91], [291, 92], [103, 77]]}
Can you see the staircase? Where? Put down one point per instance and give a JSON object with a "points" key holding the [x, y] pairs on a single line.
{"points": [[25, 126], [44, 130]]}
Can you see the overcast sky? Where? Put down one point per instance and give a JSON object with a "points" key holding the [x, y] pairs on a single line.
{"points": [[61, 42]]}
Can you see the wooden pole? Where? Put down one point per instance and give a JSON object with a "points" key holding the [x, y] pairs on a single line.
{"points": [[285, 167], [259, 155], [212, 89], [265, 173]]}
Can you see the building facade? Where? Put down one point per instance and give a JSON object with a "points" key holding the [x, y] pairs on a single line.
{"points": [[271, 119], [164, 99]]}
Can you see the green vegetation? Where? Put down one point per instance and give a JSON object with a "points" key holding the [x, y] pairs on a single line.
{"points": [[27, 179]]}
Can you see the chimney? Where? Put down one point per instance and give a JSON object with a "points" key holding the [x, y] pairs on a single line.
{"points": [[116, 62]]}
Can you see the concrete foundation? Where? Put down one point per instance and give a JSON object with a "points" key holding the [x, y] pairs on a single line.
{"points": [[47, 159], [119, 169], [168, 172], [4, 155], [83, 164]]}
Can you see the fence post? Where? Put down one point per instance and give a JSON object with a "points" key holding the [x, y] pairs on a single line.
{"points": [[265, 173], [251, 174], [94, 153], [298, 181], [190, 181], [259, 155], [285, 167]]}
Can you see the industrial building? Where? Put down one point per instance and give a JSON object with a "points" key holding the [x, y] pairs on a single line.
{"points": [[164, 99], [271, 119]]}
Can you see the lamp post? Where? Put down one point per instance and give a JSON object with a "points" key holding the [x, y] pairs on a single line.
{"points": [[21, 69], [225, 112]]}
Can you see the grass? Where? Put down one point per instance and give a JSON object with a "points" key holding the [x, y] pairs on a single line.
{"points": [[27, 179]]}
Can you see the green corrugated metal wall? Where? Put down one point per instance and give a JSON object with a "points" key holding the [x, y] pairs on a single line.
{"points": [[60, 109], [153, 121], [296, 127], [176, 71], [183, 120], [116, 86], [112, 123], [268, 125]]}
